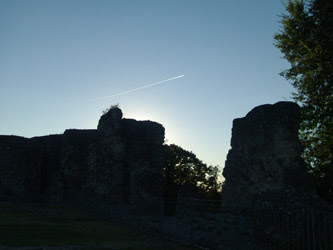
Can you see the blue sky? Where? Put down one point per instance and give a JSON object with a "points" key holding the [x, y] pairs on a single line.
{"points": [[56, 56]]}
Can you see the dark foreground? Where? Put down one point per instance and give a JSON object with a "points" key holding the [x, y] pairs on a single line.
{"points": [[36, 226]]}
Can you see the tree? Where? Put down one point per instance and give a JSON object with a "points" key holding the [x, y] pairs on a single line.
{"points": [[183, 167], [306, 41]]}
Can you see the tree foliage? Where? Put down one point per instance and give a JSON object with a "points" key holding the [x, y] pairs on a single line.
{"points": [[183, 167], [113, 106], [306, 41]]}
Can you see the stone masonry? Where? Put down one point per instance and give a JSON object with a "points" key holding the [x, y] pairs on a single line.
{"points": [[121, 161], [265, 161], [266, 181]]}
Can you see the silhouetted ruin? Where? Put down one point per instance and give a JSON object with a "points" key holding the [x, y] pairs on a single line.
{"points": [[264, 162], [121, 161], [268, 193], [268, 198]]}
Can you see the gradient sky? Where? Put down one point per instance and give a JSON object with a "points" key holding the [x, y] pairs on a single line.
{"points": [[57, 56]]}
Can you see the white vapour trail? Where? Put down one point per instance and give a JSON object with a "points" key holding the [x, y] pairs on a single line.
{"points": [[139, 88]]}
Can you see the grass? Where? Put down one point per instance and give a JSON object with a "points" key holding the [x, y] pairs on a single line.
{"points": [[42, 225]]}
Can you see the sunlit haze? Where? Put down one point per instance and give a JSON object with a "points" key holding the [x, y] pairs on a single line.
{"points": [[63, 62]]}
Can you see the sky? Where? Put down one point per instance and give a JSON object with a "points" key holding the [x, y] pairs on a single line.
{"points": [[59, 59]]}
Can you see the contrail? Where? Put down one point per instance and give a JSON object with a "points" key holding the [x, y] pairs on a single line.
{"points": [[142, 87]]}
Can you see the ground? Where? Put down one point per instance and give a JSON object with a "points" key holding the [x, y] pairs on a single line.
{"points": [[32, 225]]}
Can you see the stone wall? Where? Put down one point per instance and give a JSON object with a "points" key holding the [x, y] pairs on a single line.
{"points": [[27, 166], [121, 161], [266, 181], [265, 161]]}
